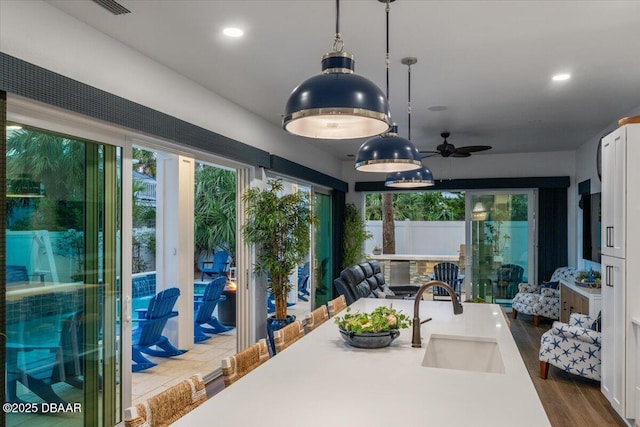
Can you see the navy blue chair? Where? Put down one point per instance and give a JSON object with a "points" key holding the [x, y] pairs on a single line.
{"points": [[446, 272], [204, 305], [149, 332], [219, 266]]}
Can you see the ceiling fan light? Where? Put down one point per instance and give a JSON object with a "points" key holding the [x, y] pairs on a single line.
{"points": [[410, 179], [337, 104], [387, 153]]}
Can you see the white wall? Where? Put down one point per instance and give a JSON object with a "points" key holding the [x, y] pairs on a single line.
{"points": [[39, 33]]}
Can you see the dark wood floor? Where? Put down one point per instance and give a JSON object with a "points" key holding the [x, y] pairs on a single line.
{"points": [[569, 400]]}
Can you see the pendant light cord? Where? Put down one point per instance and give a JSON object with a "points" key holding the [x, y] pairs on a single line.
{"points": [[338, 44], [409, 103], [387, 60]]}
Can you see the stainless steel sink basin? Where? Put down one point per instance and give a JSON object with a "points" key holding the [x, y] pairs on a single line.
{"points": [[477, 354]]}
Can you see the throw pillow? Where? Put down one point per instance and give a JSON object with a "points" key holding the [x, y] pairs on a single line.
{"points": [[551, 285]]}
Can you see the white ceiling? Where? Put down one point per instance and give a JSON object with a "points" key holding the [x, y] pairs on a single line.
{"points": [[488, 62]]}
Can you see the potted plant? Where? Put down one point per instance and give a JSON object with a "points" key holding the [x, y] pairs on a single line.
{"points": [[377, 250], [279, 225], [372, 330]]}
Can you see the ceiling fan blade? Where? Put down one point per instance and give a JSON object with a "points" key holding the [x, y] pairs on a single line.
{"points": [[457, 154], [425, 154], [472, 149]]}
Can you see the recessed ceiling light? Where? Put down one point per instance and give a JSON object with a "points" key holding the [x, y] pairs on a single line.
{"points": [[233, 32], [561, 77]]}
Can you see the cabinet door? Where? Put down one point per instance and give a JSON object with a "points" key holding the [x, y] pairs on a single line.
{"points": [[614, 192], [566, 300], [613, 332]]}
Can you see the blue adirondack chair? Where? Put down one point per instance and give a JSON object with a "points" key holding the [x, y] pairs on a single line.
{"points": [[446, 272], [217, 267], [34, 349], [16, 273], [204, 305], [149, 334]]}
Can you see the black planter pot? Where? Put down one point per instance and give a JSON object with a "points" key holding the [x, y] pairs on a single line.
{"points": [[274, 324]]}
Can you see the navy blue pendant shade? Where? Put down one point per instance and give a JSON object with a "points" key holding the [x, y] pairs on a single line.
{"points": [[337, 104], [387, 153], [410, 179]]}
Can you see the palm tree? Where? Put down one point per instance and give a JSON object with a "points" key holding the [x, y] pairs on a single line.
{"points": [[215, 210], [58, 163]]}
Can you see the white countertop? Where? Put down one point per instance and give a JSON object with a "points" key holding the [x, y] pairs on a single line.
{"points": [[322, 381], [412, 257]]}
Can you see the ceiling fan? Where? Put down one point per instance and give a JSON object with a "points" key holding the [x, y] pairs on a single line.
{"points": [[449, 150]]}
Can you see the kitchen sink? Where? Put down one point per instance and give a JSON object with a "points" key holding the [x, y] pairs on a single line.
{"points": [[463, 353]]}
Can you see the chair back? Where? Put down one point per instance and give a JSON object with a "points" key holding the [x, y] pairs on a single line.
{"points": [[243, 362], [446, 272], [511, 276], [316, 318], [16, 273], [168, 406], [158, 313], [210, 298], [336, 305], [286, 336], [221, 262]]}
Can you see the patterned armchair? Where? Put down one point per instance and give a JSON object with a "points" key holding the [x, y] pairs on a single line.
{"points": [[540, 300], [573, 347]]}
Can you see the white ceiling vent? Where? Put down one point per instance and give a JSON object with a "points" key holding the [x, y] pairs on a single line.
{"points": [[113, 6]]}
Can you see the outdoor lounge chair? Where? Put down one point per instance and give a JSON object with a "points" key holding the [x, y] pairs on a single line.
{"points": [[217, 267], [35, 354], [203, 307], [448, 273], [149, 334]]}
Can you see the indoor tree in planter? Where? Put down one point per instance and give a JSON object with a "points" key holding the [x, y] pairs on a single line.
{"points": [[279, 225]]}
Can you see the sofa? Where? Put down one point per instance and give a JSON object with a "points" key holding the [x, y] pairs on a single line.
{"points": [[365, 280], [543, 299]]}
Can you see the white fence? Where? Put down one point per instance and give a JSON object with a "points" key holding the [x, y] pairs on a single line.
{"points": [[420, 237]]}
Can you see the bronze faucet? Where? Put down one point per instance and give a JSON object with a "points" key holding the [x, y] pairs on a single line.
{"points": [[457, 309]]}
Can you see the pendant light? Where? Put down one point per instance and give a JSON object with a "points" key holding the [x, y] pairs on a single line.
{"points": [[387, 152], [337, 104], [421, 177]]}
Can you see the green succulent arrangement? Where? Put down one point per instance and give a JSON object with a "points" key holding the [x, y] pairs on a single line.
{"points": [[382, 319]]}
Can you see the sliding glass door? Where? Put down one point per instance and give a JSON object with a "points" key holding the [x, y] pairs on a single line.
{"points": [[63, 269], [322, 238], [500, 244]]}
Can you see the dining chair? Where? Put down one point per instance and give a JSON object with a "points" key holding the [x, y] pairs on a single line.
{"points": [[337, 305], [316, 318], [166, 407], [240, 364], [286, 336]]}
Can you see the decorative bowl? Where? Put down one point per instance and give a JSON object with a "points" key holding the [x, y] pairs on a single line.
{"points": [[593, 285], [369, 339]]}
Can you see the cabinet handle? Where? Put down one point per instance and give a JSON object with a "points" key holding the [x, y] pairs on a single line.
{"points": [[609, 237], [564, 306], [570, 309], [609, 274]]}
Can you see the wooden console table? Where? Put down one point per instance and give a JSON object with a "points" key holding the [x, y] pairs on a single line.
{"points": [[578, 299]]}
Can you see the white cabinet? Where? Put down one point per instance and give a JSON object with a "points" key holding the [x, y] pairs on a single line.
{"points": [[613, 332], [614, 183], [620, 285]]}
